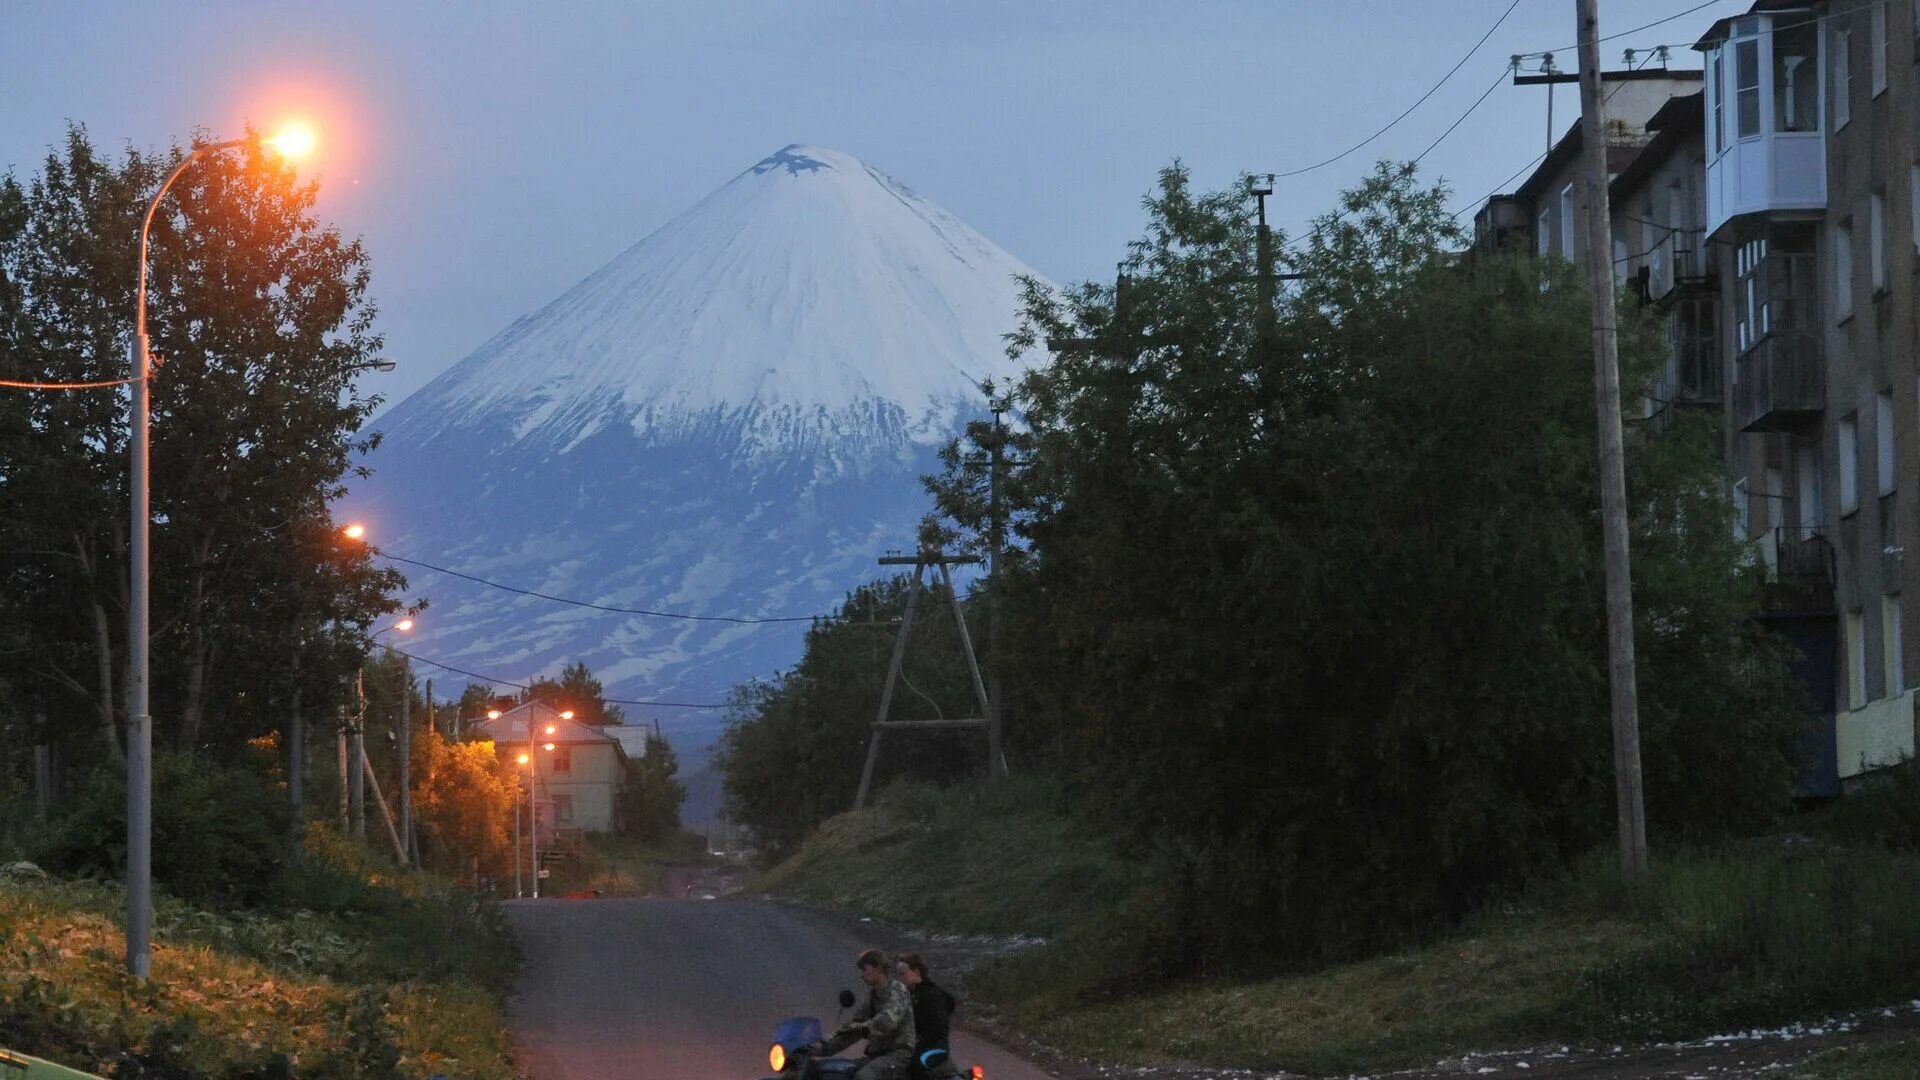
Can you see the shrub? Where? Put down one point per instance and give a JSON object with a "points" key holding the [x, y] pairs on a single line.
{"points": [[219, 831]]}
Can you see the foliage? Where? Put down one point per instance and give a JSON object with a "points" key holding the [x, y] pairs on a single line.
{"points": [[794, 746], [1310, 633], [261, 322], [579, 691], [650, 801], [463, 805], [330, 996], [219, 831]]}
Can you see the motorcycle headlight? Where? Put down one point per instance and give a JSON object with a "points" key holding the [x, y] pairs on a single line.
{"points": [[777, 1057]]}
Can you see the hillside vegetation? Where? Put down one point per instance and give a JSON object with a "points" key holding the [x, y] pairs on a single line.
{"points": [[1744, 935]]}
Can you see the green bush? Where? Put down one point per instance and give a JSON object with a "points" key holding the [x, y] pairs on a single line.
{"points": [[219, 831], [1883, 810]]}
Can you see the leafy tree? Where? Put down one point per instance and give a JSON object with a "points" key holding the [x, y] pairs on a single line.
{"points": [[650, 802], [578, 690], [1315, 616], [463, 798]]}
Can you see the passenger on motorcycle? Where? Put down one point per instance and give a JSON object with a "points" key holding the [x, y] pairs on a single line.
{"points": [[884, 1019], [932, 1006]]}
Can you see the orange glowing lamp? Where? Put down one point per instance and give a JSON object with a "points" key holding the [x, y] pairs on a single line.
{"points": [[294, 141], [355, 531], [524, 759]]}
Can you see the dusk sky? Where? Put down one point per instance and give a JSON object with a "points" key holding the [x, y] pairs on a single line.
{"points": [[493, 154]]}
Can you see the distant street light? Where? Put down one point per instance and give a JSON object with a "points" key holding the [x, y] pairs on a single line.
{"points": [[290, 145]]}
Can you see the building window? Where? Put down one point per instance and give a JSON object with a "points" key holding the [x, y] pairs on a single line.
{"points": [[1890, 644], [1913, 204], [1849, 465], [563, 759], [1883, 441], [1856, 659], [1877, 241], [1746, 101], [563, 809], [1742, 510], [1843, 269], [1749, 306], [1796, 78], [1718, 92], [1566, 221], [1543, 235], [1877, 46], [1810, 494], [1842, 79]]}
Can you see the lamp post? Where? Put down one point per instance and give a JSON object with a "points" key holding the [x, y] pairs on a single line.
{"points": [[533, 803], [291, 143], [357, 750]]}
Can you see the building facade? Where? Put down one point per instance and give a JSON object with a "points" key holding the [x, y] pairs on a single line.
{"points": [[576, 770], [1768, 213]]}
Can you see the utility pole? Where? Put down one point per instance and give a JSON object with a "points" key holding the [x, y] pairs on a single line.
{"points": [[406, 762], [296, 755], [356, 750], [340, 734], [996, 539], [1629, 800]]}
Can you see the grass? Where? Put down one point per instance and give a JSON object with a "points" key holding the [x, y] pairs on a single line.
{"points": [[406, 981], [1749, 935], [1879, 1061], [1003, 861]]}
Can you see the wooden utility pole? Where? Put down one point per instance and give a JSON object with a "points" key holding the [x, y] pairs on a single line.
{"points": [[405, 794], [1629, 800], [941, 560], [996, 539]]}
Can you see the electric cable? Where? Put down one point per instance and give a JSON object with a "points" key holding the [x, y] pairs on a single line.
{"points": [[13, 384], [524, 686], [1409, 109]]}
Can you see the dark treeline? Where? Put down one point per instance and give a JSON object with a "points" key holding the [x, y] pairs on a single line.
{"points": [[261, 323], [1304, 604]]}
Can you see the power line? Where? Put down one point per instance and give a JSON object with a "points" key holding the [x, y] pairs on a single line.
{"points": [[523, 686], [100, 385], [1409, 109], [1625, 33], [613, 609], [1488, 92]]}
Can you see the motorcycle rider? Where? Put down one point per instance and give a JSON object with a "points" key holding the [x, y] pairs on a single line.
{"points": [[933, 1005], [884, 1019]]}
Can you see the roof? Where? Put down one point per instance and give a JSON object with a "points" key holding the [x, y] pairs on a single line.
{"points": [[1722, 28], [1624, 144], [631, 737], [511, 727], [1675, 125]]}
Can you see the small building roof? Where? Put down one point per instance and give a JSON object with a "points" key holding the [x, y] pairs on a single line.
{"points": [[511, 727], [1673, 127], [631, 737], [1723, 28]]}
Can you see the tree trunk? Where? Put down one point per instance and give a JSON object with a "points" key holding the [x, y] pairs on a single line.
{"points": [[200, 652], [103, 656]]}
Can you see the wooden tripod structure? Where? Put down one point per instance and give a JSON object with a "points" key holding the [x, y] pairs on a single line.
{"points": [[920, 563]]}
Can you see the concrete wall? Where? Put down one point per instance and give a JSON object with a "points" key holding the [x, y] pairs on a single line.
{"points": [[591, 783]]}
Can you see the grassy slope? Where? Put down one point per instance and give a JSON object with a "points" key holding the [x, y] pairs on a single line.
{"points": [[1752, 936], [335, 994]]}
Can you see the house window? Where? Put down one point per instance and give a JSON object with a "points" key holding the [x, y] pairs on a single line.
{"points": [[1809, 493], [563, 759], [1877, 46], [1883, 441], [563, 809], [1742, 510], [1842, 79], [1849, 465], [1796, 78], [1856, 659], [1913, 204], [1843, 269], [1877, 241], [1749, 305], [1746, 101], [1566, 221], [1719, 91], [1895, 664]]}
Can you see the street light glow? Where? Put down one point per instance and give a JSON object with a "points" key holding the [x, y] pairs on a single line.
{"points": [[403, 625], [551, 729], [523, 759], [548, 746], [355, 531], [568, 715], [493, 714], [295, 141]]}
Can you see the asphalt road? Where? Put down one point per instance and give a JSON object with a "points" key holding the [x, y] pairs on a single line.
{"points": [[681, 989]]}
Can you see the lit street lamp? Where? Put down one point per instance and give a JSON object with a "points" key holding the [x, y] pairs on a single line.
{"points": [[292, 143]]}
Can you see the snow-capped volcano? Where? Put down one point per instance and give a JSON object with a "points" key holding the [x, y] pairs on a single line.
{"points": [[730, 418]]}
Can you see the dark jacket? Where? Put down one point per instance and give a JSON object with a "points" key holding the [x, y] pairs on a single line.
{"points": [[932, 1008]]}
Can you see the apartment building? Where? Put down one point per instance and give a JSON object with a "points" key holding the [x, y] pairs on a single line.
{"points": [[1769, 213]]}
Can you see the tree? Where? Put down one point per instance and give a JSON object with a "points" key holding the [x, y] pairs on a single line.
{"points": [[261, 321], [463, 799], [579, 691], [1322, 619], [650, 802]]}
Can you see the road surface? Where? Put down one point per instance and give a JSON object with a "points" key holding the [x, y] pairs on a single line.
{"points": [[681, 989]]}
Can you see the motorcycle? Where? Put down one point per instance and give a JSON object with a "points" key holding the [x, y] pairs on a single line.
{"points": [[796, 1054]]}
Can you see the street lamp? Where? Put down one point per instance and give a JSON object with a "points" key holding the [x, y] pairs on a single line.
{"points": [[291, 143], [357, 749]]}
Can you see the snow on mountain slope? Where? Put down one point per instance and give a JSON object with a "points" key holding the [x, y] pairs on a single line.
{"points": [[730, 418]]}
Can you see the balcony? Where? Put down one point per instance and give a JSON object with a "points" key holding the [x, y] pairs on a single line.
{"points": [[1765, 101], [1778, 385], [1801, 582]]}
